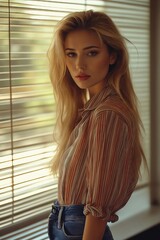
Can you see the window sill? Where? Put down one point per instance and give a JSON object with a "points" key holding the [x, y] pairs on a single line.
{"points": [[137, 216], [136, 224]]}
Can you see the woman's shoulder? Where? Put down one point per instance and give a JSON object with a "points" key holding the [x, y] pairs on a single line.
{"points": [[115, 105]]}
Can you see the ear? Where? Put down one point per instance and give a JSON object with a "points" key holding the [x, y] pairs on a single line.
{"points": [[112, 58]]}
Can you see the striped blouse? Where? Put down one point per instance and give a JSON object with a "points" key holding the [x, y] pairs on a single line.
{"points": [[97, 167]]}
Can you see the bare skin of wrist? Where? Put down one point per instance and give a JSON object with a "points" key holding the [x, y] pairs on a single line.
{"points": [[94, 228]]}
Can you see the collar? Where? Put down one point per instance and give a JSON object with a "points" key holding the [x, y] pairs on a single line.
{"points": [[100, 97]]}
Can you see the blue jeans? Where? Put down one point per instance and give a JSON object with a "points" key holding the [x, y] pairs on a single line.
{"points": [[67, 223]]}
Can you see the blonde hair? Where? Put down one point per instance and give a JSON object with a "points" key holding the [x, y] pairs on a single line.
{"points": [[69, 97]]}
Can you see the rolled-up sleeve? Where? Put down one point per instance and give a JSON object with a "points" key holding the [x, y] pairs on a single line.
{"points": [[109, 167]]}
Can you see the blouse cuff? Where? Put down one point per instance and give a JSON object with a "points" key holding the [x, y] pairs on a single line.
{"points": [[98, 212]]}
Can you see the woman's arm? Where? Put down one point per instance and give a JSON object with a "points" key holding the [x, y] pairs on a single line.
{"points": [[94, 228]]}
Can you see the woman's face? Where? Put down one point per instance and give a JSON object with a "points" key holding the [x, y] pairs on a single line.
{"points": [[87, 60]]}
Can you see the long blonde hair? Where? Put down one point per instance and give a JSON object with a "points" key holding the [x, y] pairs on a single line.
{"points": [[68, 96]]}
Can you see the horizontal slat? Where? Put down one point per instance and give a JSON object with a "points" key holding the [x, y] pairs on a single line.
{"points": [[38, 230]]}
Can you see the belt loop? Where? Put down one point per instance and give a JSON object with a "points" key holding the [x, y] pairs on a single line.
{"points": [[60, 218]]}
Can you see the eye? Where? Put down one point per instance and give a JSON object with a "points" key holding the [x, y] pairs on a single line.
{"points": [[71, 54], [92, 53]]}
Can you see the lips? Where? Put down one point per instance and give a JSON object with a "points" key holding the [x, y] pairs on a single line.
{"points": [[82, 76]]}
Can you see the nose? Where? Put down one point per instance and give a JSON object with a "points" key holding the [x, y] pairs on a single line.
{"points": [[80, 63]]}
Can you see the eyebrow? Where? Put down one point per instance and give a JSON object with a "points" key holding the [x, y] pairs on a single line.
{"points": [[86, 48]]}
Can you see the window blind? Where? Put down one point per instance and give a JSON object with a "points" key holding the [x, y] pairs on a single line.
{"points": [[26, 103]]}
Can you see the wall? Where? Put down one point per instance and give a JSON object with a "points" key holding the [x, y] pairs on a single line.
{"points": [[155, 102]]}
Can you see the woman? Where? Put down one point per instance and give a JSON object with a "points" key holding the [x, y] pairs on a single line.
{"points": [[99, 151]]}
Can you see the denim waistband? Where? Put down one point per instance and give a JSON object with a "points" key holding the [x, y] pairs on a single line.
{"points": [[67, 212]]}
